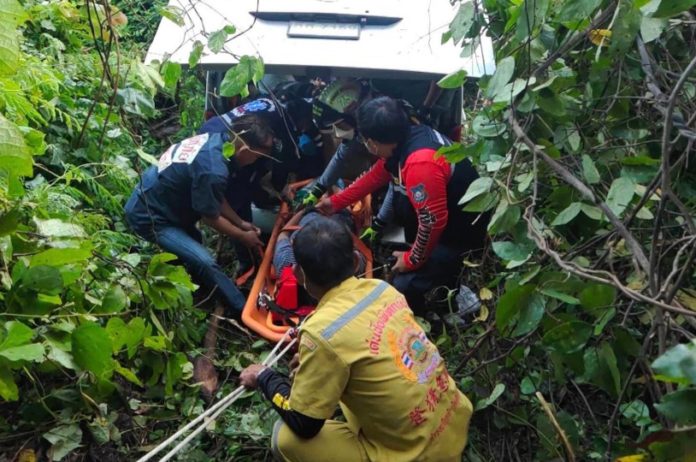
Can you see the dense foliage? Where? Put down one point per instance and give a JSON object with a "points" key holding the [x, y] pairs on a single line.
{"points": [[583, 137]]}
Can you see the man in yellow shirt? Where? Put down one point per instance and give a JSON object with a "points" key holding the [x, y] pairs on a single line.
{"points": [[361, 350]]}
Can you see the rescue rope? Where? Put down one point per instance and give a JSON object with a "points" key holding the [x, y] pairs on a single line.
{"points": [[214, 411]]}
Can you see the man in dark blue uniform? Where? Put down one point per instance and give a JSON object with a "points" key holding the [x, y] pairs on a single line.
{"points": [[189, 185]]}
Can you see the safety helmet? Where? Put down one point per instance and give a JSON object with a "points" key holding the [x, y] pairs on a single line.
{"points": [[338, 101]]}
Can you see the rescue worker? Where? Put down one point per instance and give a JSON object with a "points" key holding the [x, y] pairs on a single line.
{"points": [[334, 113], [427, 190], [188, 185], [361, 350]]}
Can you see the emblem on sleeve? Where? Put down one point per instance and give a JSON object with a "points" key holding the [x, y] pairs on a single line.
{"points": [[418, 193]]}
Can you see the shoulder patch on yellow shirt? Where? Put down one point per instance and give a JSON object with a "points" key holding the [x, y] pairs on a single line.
{"points": [[308, 343]]}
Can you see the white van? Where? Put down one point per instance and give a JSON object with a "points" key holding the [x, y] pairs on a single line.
{"points": [[395, 43]]}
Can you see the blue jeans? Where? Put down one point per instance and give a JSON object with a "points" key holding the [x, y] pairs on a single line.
{"points": [[199, 262]]}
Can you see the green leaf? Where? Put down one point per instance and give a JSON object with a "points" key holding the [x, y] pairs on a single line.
{"points": [[509, 305], [156, 342], [9, 222], [44, 279], [567, 215], [9, 49], [14, 154], [513, 252], [126, 335], [476, 188], [531, 17], [453, 80], [553, 293], [589, 170], [60, 257], [128, 375], [456, 152], [14, 333], [31, 352], [228, 149], [652, 28], [577, 10], [58, 228], [12, 13], [216, 40], [669, 8], [148, 158], [173, 13], [568, 338], [504, 218], [620, 195], [8, 387], [136, 102], [607, 356], [678, 364], [495, 394], [503, 74], [531, 312], [593, 212], [511, 90], [64, 440], [463, 21], [237, 78], [196, 53], [171, 73], [91, 348], [487, 128], [679, 406], [597, 297], [114, 301], [626, 27], [482, 203]]}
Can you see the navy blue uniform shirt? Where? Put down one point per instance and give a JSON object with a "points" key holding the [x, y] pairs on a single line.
{"points": [[189, 183]]}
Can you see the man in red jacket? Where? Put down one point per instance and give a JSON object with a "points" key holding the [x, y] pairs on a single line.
{"points": [[427, 192]]}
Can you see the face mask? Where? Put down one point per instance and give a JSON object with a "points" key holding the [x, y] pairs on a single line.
{"points": [[344, 134]]}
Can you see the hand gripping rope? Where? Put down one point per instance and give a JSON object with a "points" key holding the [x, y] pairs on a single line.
{"points": [[215, 410]]}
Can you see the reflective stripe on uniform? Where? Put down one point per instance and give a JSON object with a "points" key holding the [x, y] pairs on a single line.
{"points": [[351, 314]]}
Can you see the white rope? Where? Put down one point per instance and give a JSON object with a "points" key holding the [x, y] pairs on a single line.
{"points": [[239, 391], [216, 409]]}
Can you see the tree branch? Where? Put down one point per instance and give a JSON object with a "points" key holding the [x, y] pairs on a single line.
{"points": [[569, 178]]}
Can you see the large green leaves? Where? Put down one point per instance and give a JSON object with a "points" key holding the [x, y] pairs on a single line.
{"points": [[237, 78], [670, 8], [14, 153], [568, 337], [503, 74], [522, 304], [577, 10], [15, 344], [12, 15], [678, 364], [679, 406], [64, 439], [620, 194], [91, 348]]}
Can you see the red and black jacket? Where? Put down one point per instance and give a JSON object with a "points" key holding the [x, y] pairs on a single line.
{"points": [[428, 192]]}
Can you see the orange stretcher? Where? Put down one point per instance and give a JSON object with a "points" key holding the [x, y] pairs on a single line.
{"points": [[256, 316]]}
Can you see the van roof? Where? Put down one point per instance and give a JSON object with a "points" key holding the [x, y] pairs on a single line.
{"points": [[385, 38]]}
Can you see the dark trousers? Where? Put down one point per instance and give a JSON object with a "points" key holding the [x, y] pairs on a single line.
{"points": [[441, 269]]}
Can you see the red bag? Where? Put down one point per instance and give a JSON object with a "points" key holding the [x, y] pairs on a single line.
{"points": [[288, 295]]}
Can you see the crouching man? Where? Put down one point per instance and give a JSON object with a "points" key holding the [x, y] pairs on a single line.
{"points": [[361, 350]]}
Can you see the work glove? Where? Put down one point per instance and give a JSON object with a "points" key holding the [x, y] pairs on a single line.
{"points": [[308, 196], [372, 233]]}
